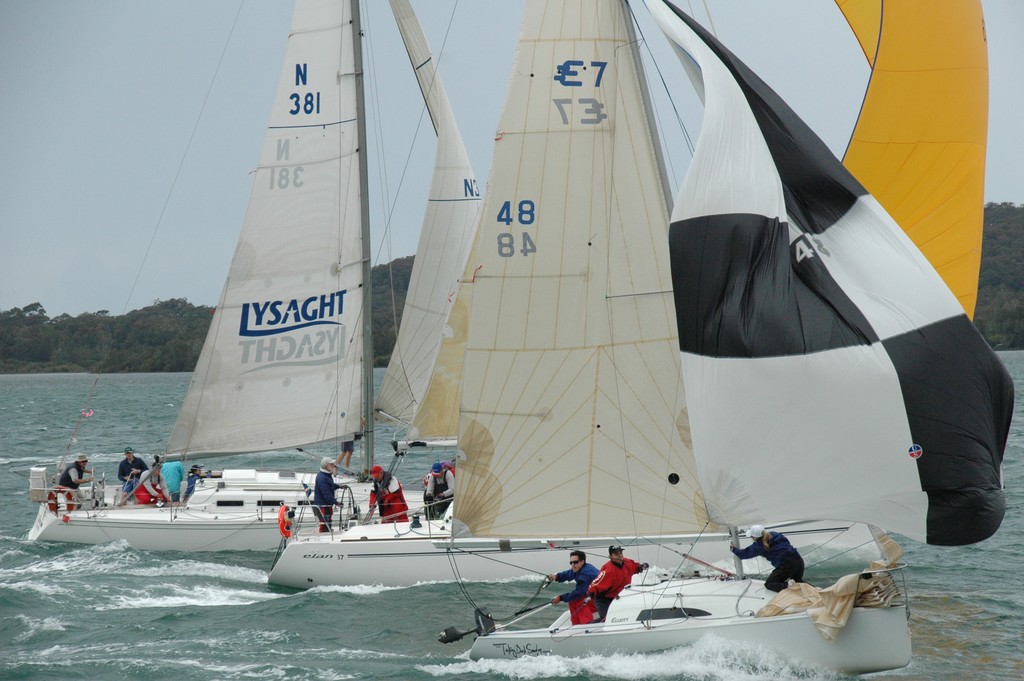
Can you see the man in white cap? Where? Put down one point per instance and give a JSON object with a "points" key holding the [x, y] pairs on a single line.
{"points": [[323, 493], [774, 546]]}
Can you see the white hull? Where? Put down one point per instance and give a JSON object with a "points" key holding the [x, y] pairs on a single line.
{"points": [[157, 529], [400, 555], [874, 639], [235, 512]]}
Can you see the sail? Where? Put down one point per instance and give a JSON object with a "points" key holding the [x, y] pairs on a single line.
{"points": [[283, 361], [919, 143], [829, 371], [571, 403], [441, 255]]}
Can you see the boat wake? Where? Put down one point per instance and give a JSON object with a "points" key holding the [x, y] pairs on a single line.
{"points": [[710, 659]]}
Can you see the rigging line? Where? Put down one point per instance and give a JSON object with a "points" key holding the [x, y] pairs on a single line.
{"points": [[181, 163], [711, 21], [840, 554], [664, 86], [669, 428], [382, 181], [633, 63], [78, 423], [453, 563]]}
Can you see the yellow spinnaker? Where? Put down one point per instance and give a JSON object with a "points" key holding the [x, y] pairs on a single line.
{"points": [[919, 144]]}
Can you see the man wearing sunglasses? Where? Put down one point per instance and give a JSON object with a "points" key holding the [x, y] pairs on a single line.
{"points": [[581, 608]]}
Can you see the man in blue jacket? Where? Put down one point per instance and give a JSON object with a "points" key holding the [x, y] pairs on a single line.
{"points": [[780, 553], [581, 608], [323, 493], [130, 470]]}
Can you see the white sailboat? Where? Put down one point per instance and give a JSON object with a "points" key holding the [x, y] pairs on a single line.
{"points": [[288, 359], [827, 371], [608, 326]]}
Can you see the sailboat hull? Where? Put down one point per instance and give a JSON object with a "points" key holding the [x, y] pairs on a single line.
{"points": [[234, 512], [874, 639], [398, 554], [158, 529]]}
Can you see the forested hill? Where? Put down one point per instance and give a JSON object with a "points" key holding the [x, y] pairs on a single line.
{"points": [[165, 336], [168, 335], [1000, 312]]}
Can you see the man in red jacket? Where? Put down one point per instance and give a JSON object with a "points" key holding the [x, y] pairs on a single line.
{"points": [[615, 576], [388, 497]]}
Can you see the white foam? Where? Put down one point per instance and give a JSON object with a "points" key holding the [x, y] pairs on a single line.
{"points": [[357, 589], [710, 659], [34, 625], [203, 569], [168, 595]]}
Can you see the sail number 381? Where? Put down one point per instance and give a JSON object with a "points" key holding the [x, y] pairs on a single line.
{"points": [[523, 213]]}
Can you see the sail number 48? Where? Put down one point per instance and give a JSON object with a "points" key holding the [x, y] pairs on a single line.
{"points": [[524, 213]]}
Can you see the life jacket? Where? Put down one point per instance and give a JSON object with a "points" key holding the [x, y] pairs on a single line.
{"points": [[392, 504], [440, 484]]}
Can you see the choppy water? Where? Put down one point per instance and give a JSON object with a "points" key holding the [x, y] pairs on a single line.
{"points": [[111, 612]]}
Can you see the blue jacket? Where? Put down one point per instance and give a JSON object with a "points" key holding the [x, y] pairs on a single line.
{"points": [[583, 578], [124, 468], [323, 490], [173, 473], [779, 549]]}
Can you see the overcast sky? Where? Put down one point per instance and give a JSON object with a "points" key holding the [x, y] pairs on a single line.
{"points": [[131, 127]]}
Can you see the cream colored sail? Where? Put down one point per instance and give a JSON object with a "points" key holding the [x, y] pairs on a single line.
{"points": [[282, 365], [572, 405], [441, 255]]}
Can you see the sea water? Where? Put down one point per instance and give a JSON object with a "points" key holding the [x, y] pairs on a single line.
{"points": [[110, 612]]}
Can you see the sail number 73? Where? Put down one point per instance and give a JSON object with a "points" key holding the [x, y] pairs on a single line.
{"points": [[523, 213]]}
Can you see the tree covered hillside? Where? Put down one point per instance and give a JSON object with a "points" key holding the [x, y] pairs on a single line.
{"points": [[168, 335]]}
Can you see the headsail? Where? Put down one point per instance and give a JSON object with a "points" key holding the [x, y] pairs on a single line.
{"points": [[445, 240], [818, 344], [919, 143], [283, 362], [571, 401]]}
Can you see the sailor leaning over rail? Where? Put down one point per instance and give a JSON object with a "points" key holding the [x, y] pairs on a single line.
{"points": [[581, 608], [779, 552]]}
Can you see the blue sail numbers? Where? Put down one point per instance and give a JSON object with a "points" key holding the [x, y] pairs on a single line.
{"points": [[297, 331]]}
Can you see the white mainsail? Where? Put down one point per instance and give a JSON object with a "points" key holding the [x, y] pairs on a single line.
{"points": [[571, 403], [441, 255], [283, 362]]}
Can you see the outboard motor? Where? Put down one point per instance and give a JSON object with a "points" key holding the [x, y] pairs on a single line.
{"points": [[484, 625]]}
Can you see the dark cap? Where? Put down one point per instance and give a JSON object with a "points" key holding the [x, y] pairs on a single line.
{"points": [[614, 549], [129, 450]]}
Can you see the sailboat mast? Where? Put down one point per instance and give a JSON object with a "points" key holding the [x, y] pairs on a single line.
{"points": [[364, 207], [652, 125]]}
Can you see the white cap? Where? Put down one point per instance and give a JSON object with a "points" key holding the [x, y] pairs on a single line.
{"points": [[755, 531], [326, 461]]}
